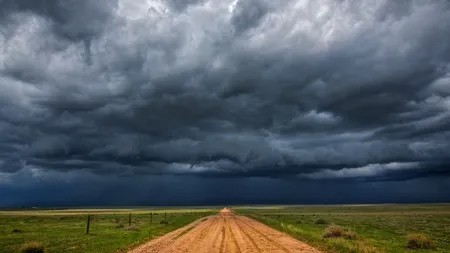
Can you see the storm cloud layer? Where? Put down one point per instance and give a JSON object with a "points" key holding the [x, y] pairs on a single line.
{"points": [[313, 90]]}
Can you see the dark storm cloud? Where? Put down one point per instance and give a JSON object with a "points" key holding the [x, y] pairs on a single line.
{"points": [[247, 14], [181, 5], [70, 19], [314, 90]]}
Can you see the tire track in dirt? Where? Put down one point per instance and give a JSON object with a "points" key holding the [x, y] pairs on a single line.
{"points": [[248, 237], [225, 233], [222, 244], [166, 242], [233, 237], [288, 243], [284, 249]]}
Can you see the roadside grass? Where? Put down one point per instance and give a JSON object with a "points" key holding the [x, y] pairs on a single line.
{"points": [[364, 228], [67, 233]]}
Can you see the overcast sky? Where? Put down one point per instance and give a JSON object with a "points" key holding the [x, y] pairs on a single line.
{"points": [[224, 101]]}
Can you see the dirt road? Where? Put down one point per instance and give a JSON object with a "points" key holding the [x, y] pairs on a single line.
{"points": [[223, 233]]}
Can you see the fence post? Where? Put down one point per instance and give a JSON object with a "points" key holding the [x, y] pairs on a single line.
{"points": [[165, 216], [151, 218], [129, 219], [88, 222]]}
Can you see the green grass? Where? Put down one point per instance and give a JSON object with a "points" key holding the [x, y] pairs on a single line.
{"points": [[62, 232], [378, 228]]}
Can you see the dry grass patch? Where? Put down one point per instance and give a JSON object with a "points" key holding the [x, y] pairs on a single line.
{"points": [[32, 247], [338, 231], [419, 241], [119, 226], [132, 227]]}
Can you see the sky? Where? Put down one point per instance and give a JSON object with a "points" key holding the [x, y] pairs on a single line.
{"points": [[199, 102]]}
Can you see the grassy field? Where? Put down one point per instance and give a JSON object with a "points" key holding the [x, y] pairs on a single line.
{"points": [[65, 230], [378, 228]]}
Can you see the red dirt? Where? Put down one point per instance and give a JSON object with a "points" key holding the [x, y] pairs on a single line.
{"points": [[225, 232]]}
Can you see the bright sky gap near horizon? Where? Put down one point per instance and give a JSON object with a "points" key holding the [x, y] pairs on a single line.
{"points": [[109, 102]]}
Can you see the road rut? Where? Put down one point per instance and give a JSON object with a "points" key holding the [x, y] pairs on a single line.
{"points": [[225, 233]]}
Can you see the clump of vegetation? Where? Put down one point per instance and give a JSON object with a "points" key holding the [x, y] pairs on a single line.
{"points": [[120, 225], [132, 227], [164, 222], [298, 222], [338, 231], [32, 247], [321, 221], [419, 241], [349, 235], [333, 231], [16, 230]]}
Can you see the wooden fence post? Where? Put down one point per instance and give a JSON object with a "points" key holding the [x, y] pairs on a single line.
{"points": [[129, 219], [151, 218], [165, 216], [88, 222]]}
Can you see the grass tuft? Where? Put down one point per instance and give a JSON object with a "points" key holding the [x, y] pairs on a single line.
{"points": [[321, 221], [164, 222], [32, 247], [132, 227], [16, 230], [338, 231], [333, 231], [349, 235], [419, 241]]}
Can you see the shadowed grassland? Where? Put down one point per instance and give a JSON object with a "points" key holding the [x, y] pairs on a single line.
{"points": [[65, 231], [373, 228], [100, 210]]}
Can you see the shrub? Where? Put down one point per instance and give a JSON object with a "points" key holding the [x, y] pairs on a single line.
{"points": [[333, 231], [32, 247], [321, 221], [338, 231], [419, 241]]}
